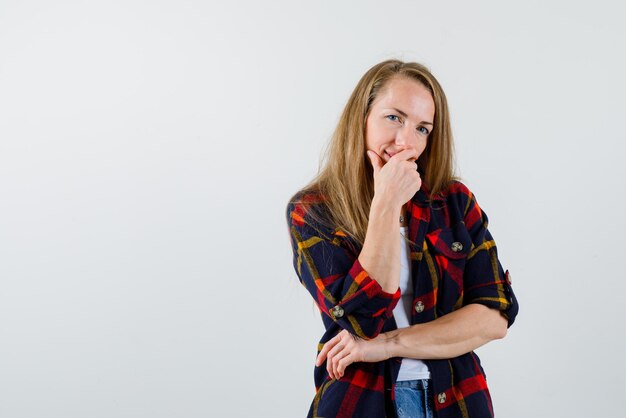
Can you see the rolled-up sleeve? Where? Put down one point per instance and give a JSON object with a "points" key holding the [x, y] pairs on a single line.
{"points": [[485, 281], [341, 287]]}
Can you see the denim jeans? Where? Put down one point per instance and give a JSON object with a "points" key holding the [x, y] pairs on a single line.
{"points": [[414, 399]]}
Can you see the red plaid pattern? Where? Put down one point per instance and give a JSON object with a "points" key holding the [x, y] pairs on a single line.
{"points": [[455, 263]]}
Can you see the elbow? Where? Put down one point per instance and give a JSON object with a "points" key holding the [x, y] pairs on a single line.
{"points": [[500, 327], [500, 333], [495, 323]]}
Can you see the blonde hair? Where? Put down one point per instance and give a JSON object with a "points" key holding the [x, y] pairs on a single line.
{"points": [[345, 181]]}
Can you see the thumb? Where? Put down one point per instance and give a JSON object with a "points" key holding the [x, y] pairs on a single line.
{"points": [[377, 163]]}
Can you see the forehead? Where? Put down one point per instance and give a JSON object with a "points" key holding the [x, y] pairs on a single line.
{"points": [[408, 95]]}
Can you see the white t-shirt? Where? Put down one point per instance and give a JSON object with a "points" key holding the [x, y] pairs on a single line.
{"points": [[410, 369]]}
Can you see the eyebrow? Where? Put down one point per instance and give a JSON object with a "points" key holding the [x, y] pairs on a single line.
{"points": [[405, 115]]}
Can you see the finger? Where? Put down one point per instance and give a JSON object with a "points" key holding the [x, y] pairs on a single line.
{"points": [[337, 359], [324, 353], [336, 349], [377, 162], [329, 370], [411, 165], [343, 363], [337, 352], [331, 365], [331, 357], [405, 155]]}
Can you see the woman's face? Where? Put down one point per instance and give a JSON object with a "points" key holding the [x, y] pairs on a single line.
{"points": [[400, 117]]}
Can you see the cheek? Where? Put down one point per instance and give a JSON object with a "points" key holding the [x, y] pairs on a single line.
{"points": [[371, 140], [421, 147], [377, 136]]}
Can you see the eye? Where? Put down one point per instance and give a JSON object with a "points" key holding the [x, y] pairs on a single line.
{"points": [[393, 118], [423, 130]]}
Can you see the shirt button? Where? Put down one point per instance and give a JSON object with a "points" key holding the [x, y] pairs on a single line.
{"points": [[456, 246], [337, 311], [441, 398], [419, 306]]}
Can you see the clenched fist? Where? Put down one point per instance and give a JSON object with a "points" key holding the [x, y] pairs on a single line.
{"points": [[397, 180]]}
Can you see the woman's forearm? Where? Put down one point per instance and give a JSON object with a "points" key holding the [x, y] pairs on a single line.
{"points": [[449, 336], [380, 255]]}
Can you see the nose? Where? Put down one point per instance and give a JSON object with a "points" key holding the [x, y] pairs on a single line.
{"points": [[406, 138]]}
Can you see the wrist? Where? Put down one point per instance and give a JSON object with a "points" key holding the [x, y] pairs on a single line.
{"points": [[383, 207], [391, 343]]}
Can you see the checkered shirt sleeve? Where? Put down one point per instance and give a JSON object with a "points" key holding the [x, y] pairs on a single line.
{"points": [[333, 275]]}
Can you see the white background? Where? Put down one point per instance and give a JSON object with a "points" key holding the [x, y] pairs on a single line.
{"points": [[148, 149]]}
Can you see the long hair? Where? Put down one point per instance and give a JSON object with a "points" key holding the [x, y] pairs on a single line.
{"points": [[345, 180]]}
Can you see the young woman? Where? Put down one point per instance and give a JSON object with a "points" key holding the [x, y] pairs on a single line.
{"points": [[397, 256]]}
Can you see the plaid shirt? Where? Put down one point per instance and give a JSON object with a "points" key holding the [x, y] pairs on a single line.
{"points": [[455, 263]]}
